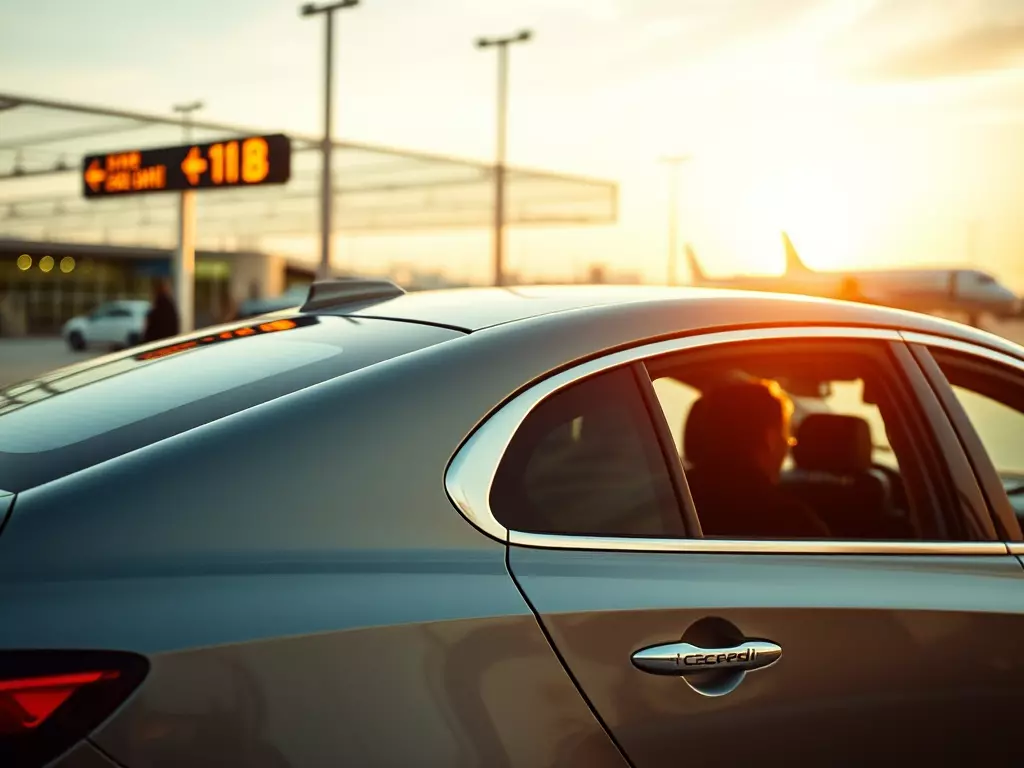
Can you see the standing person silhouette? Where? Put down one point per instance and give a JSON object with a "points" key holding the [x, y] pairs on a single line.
{"points": [[162, 320]]}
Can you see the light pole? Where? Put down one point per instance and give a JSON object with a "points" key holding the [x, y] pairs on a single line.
{"points": [[327, 184], [183, 270], [502, 44], [186, 110], [674, 163]]}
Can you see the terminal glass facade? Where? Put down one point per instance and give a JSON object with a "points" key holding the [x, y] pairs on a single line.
{"points": [[39, 292]]}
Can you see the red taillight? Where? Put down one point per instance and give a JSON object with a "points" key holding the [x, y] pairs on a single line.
{"points": [[51, 700], [27, 702]]}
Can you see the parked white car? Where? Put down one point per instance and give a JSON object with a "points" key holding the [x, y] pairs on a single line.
{"points": [[112, 324]]}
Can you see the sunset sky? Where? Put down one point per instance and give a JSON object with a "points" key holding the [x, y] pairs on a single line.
{"points": [[876, 133]]}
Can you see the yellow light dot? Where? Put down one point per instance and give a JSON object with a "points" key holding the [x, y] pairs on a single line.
{"points": [[46, 263], [67, 264], [24, 262]]}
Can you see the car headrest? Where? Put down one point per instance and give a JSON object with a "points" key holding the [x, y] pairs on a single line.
{"points": [[829, 442]]}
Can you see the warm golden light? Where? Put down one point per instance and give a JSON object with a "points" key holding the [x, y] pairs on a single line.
{"points": [[277, 325], [165, 351], [46, 263], [67, 264], [24, 262]]}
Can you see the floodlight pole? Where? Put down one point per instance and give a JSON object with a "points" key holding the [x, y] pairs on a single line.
{"points": [[673, 214], [502, 44], [183, 269], [326, 180]]}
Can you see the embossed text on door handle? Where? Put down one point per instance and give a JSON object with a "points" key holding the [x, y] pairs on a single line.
{"points": [[686, 659]]}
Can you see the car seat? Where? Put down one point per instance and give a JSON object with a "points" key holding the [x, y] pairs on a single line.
{"points": [[833, 475]]}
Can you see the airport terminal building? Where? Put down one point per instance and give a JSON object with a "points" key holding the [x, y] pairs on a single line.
{"points": [[43, 284]]}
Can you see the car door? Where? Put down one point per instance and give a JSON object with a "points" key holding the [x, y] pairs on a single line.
{"points": [[697, 650], [125, 324], [103, 324], [118, 324]]}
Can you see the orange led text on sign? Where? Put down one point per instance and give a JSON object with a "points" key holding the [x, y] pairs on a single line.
{"points": [[227, 164], [123, 172]]}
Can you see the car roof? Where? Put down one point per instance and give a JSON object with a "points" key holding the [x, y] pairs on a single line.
{"points": [[474, 309], [83, 414]]}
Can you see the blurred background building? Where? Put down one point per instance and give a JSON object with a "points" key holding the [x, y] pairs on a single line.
{"points": [[61, 254]]}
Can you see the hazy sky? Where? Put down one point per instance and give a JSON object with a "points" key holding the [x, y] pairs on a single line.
{"points": [[874, 132]]}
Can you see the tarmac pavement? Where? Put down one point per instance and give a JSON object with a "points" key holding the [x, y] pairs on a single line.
{"points": [[25, 358]]}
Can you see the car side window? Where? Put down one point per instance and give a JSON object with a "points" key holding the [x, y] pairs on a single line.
{"points": [[993, 398], [119, 312], [796, 439], [587, 461]]}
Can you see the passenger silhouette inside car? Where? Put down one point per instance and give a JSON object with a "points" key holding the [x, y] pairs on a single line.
{"points": [[736, 439]]}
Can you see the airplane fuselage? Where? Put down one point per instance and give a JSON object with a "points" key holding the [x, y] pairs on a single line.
{"points": [[922, 290]]}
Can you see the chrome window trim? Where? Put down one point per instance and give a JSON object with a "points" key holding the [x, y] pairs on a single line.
{"points": [[956, 345], [471, 472], [757, 546]]}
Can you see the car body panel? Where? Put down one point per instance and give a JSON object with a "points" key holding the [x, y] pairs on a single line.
{"points": [[893, 656], [84, 755], [93, 412], [311, 548], [289, 663], [485, 691], [307, 594]]}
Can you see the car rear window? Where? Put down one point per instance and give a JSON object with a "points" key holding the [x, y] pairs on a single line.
{"points": [[79, 416]]}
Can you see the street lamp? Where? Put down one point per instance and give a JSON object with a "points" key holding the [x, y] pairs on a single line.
{"points": [[327, 185], [674, 163], [502, 44], [186, 110]]}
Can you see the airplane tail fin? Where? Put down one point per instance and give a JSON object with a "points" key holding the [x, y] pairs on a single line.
{"points": [[697, 275], [794, 264]]}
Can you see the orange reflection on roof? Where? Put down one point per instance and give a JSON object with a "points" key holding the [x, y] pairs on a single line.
{"points": [[171, 350], [234, 333], [277, 325]]}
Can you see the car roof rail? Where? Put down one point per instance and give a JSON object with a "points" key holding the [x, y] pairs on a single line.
{"points": [[340, 291]]}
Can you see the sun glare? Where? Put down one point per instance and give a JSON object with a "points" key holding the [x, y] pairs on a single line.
{"points": [[814, 180]]}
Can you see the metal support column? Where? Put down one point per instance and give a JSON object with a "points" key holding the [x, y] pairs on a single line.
{"points": [[499, 161], [184, 267], [183, 263], [326, 178]]}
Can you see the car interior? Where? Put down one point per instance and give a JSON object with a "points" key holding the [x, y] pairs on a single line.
{"points": [[840, 464]]}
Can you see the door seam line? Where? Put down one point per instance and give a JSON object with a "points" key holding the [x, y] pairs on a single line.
{"points": [[565, 666]]}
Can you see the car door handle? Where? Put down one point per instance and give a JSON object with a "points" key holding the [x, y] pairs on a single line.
{"points": [[680, 659]]}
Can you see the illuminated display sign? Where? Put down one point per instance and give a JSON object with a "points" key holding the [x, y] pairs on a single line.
{"points": [[272, 326], [249, 161]]}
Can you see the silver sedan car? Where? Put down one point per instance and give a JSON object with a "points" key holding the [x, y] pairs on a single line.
{"points": [[575, 526]]}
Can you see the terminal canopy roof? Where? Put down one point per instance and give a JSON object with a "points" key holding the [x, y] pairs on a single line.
{"points": [[377, 189]]}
